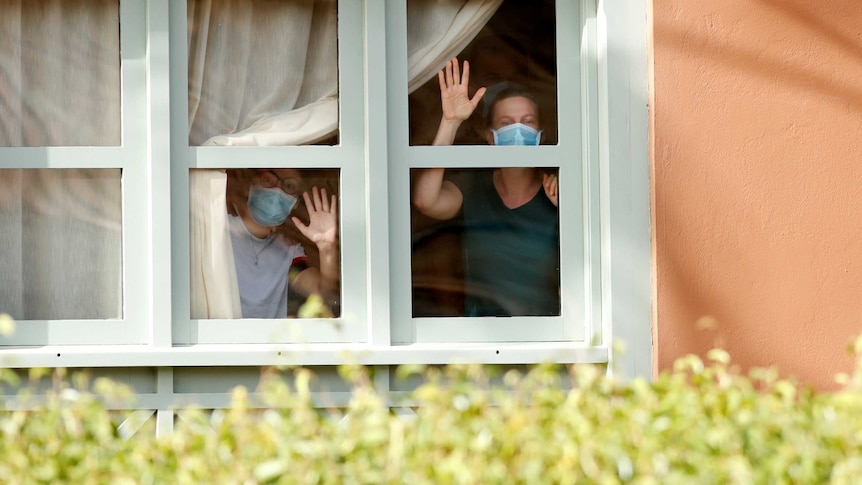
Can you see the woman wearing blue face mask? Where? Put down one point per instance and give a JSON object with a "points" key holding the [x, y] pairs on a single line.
{"points": [[511, 222], [268, 261]]}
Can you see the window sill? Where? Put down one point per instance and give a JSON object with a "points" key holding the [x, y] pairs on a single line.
{"points": [[226, 355]]}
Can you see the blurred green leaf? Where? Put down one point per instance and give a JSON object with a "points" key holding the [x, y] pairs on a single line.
{"points": [[703, 422]]}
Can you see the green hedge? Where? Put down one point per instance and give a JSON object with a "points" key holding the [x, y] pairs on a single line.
{"points": [[702, 423]]}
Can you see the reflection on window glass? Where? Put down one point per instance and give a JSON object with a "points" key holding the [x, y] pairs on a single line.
{"points": [[505, 51], [59, 73], [485, 242], [263, 72], [61, 244], [265, 243]]}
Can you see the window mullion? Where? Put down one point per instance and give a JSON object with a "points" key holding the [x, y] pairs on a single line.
{"points": [[377, 174], [180, 160], [158, 172], [399, 170], [138, 264], [579, 229]]}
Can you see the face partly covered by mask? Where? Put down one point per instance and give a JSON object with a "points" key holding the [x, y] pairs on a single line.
{"points": [[271, 198], [515, 122], [269, 206]]}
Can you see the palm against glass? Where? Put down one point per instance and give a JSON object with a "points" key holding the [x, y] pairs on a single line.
{"points": [[322, 225], [457, 104]]}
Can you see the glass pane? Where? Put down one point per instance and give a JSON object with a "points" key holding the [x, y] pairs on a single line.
{"points": [[59, 73], [61, 244], [485, 242], [510, 49], [263, 242], [263, 72]]}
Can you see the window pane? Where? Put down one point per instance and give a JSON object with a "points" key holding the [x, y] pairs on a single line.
{"points": [[263, 72], [61, 243], [59, 73], [511, 50], [263, 241], [486, 246]]}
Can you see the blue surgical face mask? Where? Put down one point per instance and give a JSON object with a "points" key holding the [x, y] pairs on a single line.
{"points": [[517, 134], [269, 206]]}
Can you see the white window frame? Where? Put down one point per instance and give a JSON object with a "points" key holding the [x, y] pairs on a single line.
{"points": [[130, 156], [348, 156], [575, 87], [607, 225]]}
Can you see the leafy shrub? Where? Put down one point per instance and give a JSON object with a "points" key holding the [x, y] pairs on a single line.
{"points": [[701, 423]]}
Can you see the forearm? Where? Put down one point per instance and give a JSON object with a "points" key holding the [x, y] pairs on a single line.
{"points": [[322, 281], [330, 273], [429, 182]]}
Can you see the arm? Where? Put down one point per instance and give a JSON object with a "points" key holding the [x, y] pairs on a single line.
{"points": [[322, 230], [432, 195]]}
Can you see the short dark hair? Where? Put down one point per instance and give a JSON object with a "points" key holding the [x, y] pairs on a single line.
{"points": [[511, 92]]}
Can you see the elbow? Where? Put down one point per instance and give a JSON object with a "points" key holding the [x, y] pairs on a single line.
{"points": [[423, 202], [420, 202]]}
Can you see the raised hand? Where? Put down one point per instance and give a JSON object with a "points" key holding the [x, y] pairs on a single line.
{"points": [[551, 185], [457, 104], [322, 228]]}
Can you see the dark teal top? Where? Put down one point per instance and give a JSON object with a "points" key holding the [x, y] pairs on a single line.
{"points": [[511, 256]]}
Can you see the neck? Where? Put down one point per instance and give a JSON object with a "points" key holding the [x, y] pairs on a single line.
{"points": [[517, 180], [516, 185]]}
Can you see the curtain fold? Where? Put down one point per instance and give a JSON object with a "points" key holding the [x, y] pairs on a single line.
{"points": [[263, 72], [264, 103], [437, 31], [214, 291]]}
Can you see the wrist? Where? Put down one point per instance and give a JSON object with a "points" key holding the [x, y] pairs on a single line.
{"points": [[446, 132], [325, 246]]}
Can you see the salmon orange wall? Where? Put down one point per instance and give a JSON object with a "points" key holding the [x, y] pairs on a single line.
{"points": [[756, 131]]}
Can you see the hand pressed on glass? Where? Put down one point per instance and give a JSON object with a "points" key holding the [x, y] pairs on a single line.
{"points": [[322, 228], [457, 104]]}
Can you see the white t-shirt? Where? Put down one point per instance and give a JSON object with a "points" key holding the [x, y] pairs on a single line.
{"points": [[262, 267]]}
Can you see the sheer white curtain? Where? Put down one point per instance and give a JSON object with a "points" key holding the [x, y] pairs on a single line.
{"points": [[60, 230], [438, 30], [283, 96], [262, 72], [59, 73], [61, 244], [214, 292]]}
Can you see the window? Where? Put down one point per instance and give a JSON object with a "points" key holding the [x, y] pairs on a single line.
{"points": [[490, 258], [482, 274], [163, 134], [73, 172], [62, 244], [282, 115]]}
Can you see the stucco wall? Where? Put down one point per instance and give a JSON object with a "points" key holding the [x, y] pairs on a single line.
{"points": [[757, 181]]}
